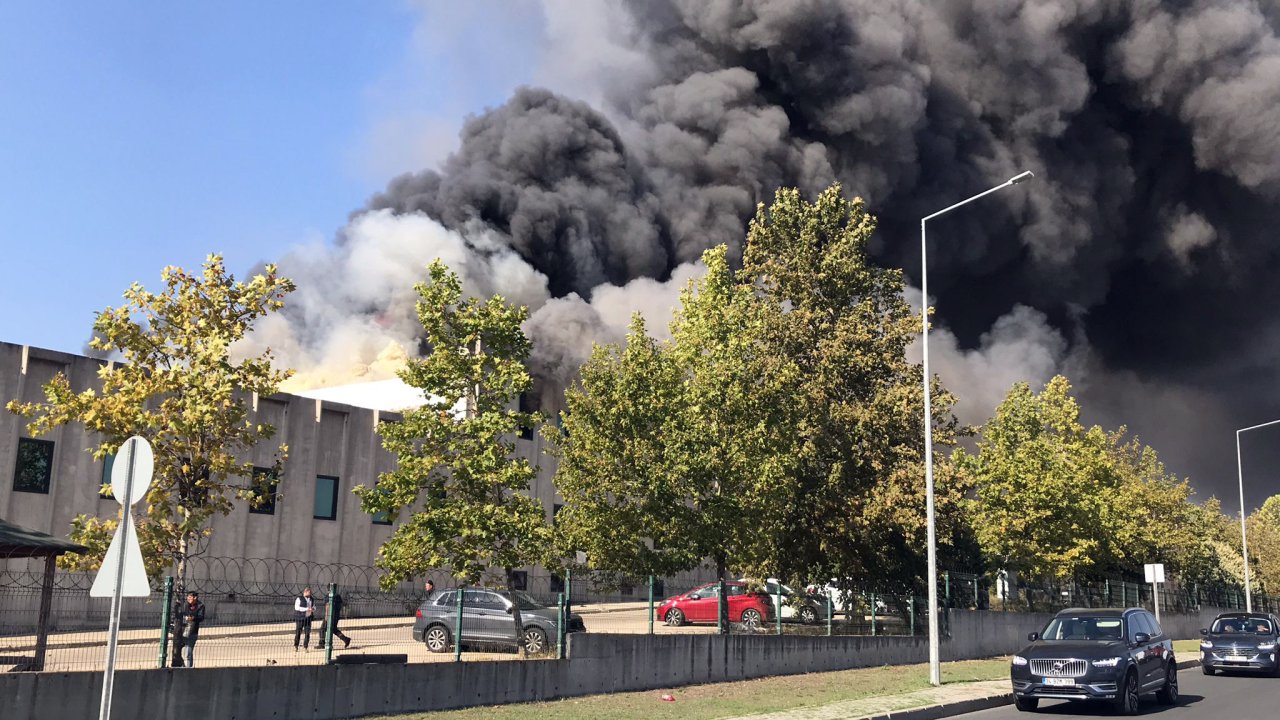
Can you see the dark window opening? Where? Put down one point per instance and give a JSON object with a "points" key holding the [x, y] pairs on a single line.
{"points": [[104, 486], [519, 580], [557, 583], [34, 469], [555, 513], [263, 490]]}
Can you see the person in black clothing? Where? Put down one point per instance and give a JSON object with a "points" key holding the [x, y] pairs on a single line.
{"points": [[304, 612], [192, 617], [324, 619]]}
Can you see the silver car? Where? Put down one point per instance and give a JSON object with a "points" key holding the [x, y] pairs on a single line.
{"points": [[490, 617]]}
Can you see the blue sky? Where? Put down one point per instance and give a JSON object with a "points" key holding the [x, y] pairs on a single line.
{"points": [[135, 135]]}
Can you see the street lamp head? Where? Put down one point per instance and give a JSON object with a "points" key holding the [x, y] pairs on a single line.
{"points": [[1021, 178]]}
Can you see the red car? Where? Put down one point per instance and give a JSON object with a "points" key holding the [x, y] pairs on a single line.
{"points": [[699, 606]]}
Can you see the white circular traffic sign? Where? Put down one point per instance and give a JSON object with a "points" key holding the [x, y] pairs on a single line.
{"points": [[136, 451]]}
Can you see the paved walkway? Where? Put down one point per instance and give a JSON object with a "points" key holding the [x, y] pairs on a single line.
{"points": [[872, 706]]}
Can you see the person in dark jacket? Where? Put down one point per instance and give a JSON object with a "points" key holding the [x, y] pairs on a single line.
{"points": [[304, 613], [324, 620], [192, 618]]}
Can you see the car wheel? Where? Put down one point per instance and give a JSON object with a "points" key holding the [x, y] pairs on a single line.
{"points": [[675, 617], [808, 615], [437, 638], [1127, 702], [1026, 704], [751, 619], [1168, 694], [1207, 670], [534, 641]]}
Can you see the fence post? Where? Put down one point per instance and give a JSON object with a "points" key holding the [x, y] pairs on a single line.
{"points": [[946, 584], [650, 604], [165, 619], [561, 626], [911, 610], [722, 610], [777, 606], [328, 624], [830, 611], [457, 631], [873, 614], [568, 591], [976, 606]]}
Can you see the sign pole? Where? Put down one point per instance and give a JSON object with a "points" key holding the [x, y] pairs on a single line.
{"points": [[126, 522]]}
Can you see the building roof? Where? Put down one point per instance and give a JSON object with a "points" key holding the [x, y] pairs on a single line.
{"points": [[19, 542]]}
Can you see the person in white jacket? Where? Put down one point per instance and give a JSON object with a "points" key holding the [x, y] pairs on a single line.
{"points": [[304, 611]]}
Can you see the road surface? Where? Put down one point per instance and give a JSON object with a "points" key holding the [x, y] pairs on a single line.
{"points": [[1237, 697]]}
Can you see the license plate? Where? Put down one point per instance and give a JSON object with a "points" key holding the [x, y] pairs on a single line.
{"points": [[1060, 682], [1236, 659]]}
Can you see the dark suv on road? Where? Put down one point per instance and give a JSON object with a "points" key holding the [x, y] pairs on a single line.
{"points": [[1114, 655], [1241, 641]]}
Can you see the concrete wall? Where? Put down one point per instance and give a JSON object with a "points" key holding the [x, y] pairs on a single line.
{"points": [[597, 663]]}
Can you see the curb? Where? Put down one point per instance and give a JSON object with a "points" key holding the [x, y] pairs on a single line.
{"points": [[934, 712], [946, 710]]}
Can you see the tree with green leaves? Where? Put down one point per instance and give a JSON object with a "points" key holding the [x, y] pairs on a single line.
{"points": [[182, 386], [856, 503], [670, 452], [1264, 545], [458, 482], [1046, 489], [783, 419]]}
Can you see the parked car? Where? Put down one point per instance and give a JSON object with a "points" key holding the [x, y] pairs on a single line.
{"points": [[1241, 641], [841, 600], [488, 617], [699, 605], [807, 608], [1114, 655]]}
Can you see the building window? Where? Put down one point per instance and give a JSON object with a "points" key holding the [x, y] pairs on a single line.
{"points": [[519, 580], [555, 513], [326, 498], [557, 583], [382, 517], [104, 489], [34, 468], [527, 405], [262, 491]]}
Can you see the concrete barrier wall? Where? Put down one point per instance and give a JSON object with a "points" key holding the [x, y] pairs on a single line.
{"points": [[598, 663]]}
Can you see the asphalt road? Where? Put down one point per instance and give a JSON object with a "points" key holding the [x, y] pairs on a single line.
{"points": [[1237, 697]]}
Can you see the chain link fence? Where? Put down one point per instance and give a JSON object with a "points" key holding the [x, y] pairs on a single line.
{"points": [[248, 612]]}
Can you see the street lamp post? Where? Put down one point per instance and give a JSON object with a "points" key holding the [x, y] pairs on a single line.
{"points": [[1244, 535], [935, 669]]}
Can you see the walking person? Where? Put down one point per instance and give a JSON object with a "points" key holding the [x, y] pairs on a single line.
{"points": [[192, 617], [304, 612], [324, 620]]}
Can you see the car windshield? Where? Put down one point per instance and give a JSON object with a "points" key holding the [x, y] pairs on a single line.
{"points": [[525, 600], [1229, 625], [1084, 627]]}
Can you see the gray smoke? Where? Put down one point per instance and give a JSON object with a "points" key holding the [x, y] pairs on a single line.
{"points": [[1141, 259]]}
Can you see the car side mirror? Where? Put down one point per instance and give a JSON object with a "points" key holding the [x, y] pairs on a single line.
{"points": [[1033, 636], [511, 610], [693, 596], [1141, 638], [1204, 631]]}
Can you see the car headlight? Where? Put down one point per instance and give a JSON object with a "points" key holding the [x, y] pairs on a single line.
{"points": [[1019, 660], [1267, 647], [1107, 662], [1206, 644]]}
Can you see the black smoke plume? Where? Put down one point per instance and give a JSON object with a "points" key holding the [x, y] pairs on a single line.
{"points": [[1143, 257]]}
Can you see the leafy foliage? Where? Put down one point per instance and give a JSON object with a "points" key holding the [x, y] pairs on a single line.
{"points": [[779, 429], [1264, 546], [182, 387], [458, 480]]}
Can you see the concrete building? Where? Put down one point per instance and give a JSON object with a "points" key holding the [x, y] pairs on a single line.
{"points": [[333, 447]]}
